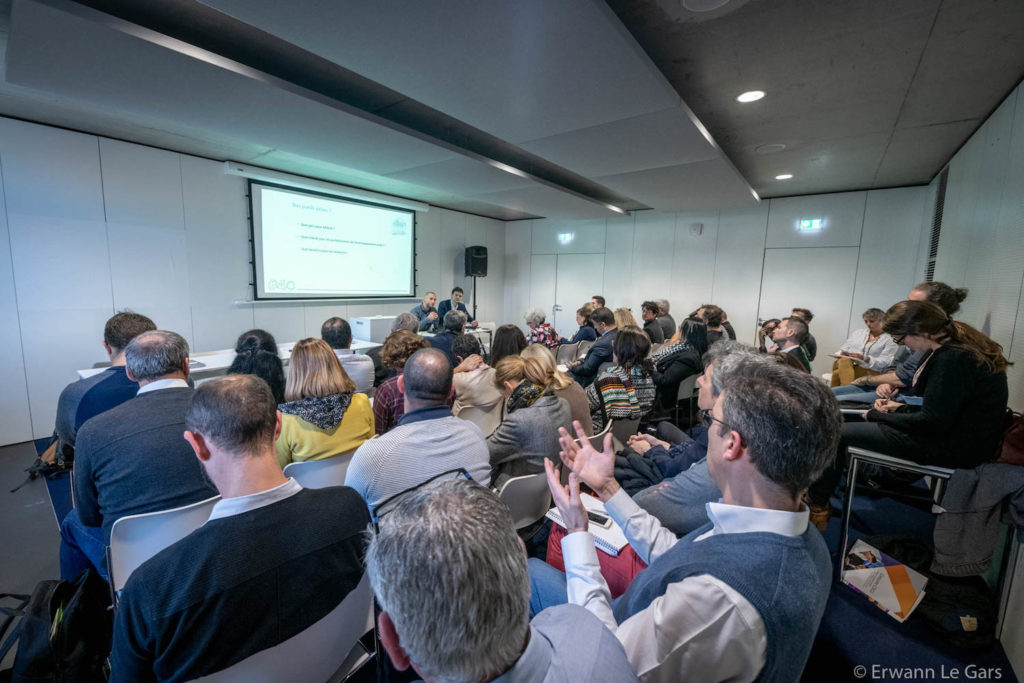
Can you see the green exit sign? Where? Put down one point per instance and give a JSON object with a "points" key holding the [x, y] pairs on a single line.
{"points": [[811, 224]]}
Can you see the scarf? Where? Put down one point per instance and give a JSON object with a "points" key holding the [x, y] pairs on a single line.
{"points": [[325, 412], [525, 395]]}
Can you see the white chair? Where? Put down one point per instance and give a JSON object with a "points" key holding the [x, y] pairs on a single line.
{"points": [[136, 538], [527, 497], [938, 476], [597, 441], [318, 474], [687, 388], [326, 651]]}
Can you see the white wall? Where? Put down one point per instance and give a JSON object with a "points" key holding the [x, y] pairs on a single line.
{"points": [[93, 225], [982, 241], [753, 263]]}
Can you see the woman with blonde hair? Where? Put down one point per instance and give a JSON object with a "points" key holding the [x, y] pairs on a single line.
{"points": [[322, 416], [624, 318], [388, 401], [563, 385], [529, 431]]}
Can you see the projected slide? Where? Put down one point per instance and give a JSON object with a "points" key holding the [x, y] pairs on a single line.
{"points": [[313, 246]]}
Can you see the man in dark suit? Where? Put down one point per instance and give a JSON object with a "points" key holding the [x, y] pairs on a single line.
{"points": [[132, 458], [454, 325], [455, 303], [586, 370], [791, 335]]}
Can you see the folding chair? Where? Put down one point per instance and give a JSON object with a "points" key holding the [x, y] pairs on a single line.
{"points": [[621, 431], [584, 347], [938, 478], [329, 650], [566, 353], [318, 474], [136, 538], [527, 497], [687, 388]]}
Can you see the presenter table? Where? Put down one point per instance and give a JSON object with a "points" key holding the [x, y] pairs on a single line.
{"points": [[207, 364]]}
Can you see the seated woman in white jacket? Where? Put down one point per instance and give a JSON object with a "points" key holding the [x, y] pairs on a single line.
{"points": [[868, 351]]}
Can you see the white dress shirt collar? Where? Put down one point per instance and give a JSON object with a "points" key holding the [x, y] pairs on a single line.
{"points": [[159, 384], [228, 507], [737, 519]]}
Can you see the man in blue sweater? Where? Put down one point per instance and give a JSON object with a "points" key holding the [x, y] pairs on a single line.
{"points": [[272, 560], [740, 598], [132, 458]]}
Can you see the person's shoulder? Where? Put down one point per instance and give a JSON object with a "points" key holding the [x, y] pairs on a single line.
{"points": [[333, 497]]}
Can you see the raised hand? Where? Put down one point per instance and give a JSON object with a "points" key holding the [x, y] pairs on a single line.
{"points": [[567, 499], [595, 468]]}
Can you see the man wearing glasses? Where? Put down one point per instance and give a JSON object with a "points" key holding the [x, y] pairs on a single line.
{"points": [[273, 559], [741, 597], [449, 573]]}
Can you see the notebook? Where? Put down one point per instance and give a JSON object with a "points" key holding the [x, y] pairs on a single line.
{"points": [[610, 540]]}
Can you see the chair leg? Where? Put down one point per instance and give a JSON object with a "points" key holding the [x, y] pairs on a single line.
{"points": [[844, 537]]}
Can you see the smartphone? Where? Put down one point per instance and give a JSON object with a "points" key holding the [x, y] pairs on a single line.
{"points": [[599, 519]]}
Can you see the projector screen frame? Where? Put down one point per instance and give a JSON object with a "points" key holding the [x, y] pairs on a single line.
{"points": [[256, 298]]}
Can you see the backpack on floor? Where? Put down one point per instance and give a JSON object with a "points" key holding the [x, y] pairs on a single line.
{"points": [[63, 633]]}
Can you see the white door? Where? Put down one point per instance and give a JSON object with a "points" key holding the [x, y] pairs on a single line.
{"points": [[578, 277], [820, 279]]}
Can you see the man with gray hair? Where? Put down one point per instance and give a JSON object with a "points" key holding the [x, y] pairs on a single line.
{"points": [[454, 325], [132, 458], [272, 560], [679, 502], [668, 325], [478, 627], [402, 321]]}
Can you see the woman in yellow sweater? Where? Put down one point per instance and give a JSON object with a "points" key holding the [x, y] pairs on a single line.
{"points": [[322, 416]]}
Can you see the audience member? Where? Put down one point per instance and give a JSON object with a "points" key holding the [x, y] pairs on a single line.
{"points": [[597, 301], [899, 378], [649, 313], [256, 354], [624, 317], [586, 328], [563, 385], [678, 360], [322, 417], [790, 336], [430, 321], [533, 415], [866, 352], [427, 441], [455, 303], [727, 327], [962, 380], [93, 395], [810, 345], [586, 370], [717, 604], [540, 331], [765, 343], [679, 502], [478, 627], [509, 340], [454, 325], [625, 391], [388, 402], [668, 324], [338, 334], [713, 316], [132, 459], [403, 321], [272, 560], [476, 397]]}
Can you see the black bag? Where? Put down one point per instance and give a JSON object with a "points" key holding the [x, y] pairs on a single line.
{"points": [[64, 633]]}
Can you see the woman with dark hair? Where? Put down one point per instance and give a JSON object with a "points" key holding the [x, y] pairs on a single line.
{"points": [[586, 332], [257, 355], [942, 295], [625, 391], [962, 379], [388, 401], [509, 340], [679, 360]]}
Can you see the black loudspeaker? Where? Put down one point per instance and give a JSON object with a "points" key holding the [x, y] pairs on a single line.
{"points": [[476, 261]]}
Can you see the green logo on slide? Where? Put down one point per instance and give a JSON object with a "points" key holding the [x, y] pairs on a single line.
{"points": [[399, 226], [274, 285]]}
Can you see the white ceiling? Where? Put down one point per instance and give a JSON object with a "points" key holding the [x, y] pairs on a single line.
{"points": [[562, 81]]}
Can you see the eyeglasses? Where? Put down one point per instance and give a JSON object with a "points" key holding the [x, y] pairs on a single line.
{"points": [[898, 338], [380, 509], [706, 415]]}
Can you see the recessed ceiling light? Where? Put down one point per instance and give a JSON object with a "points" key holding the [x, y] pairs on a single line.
{"points": [[750, 96], [769, 148], [784, 176]]}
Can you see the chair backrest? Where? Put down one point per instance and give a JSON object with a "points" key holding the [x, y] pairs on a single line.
{"points": [[687, 387], [136, 538], [315, 654], [527, 497], [487, 419], [597, 440], [622, 430], [566, 353], [318, 474], [584, 347]]}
